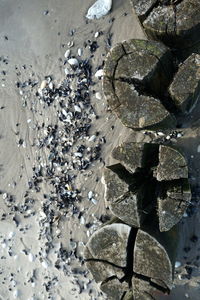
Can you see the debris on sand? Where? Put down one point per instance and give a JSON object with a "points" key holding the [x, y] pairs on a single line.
{"points": [[99, 9]]}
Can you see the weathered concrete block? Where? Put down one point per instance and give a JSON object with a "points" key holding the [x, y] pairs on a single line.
{"points": [[185, 88], [127, 197], [151, 258], [135, 74], [172, 164], [175, 23], [172, 203], [114, 289]]}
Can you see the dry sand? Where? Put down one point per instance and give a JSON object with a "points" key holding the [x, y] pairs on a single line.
{"points": [[34, 36]]}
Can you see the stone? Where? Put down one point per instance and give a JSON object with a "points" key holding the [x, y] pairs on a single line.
{"points": [[172, 164], [135, 74], [173, 202], [185, 88]]}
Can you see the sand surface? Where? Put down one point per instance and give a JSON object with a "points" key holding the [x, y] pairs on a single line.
{"points": [[41, 259]]}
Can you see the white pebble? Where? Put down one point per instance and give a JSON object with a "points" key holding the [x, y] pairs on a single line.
{"points": [[73, 61], [16, 294], [43, 84], [90, 194], [29, 121], [92, 138], [99, 73], [98, 95], [177, 264], [78, 154], [96, 34], [82, 220], [45, 264], [80, 52], [77, 108], [67, 71], [4, 196], [198, 149], [168, 137], [31, 257], [67, 53], [94, 201]]}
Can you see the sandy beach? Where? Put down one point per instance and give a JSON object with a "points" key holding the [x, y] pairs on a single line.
{"points": [[51, 206]]}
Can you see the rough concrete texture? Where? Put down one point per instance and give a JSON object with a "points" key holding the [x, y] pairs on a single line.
{"points": [[172, 164], [135, 74], [168, 22], [185, 88], [173, 204], [150, 257]]}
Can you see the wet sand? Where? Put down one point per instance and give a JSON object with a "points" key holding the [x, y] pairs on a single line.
{"points": [[34, 38]]}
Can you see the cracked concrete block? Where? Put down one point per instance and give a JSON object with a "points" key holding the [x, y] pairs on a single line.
{"points": [[143, 7], [172, 164], [172, 203], [134, 80], [109, 244], [100, 269], [127, 195], [185, 88], [152, 259], [134, 156], [142, 290], [114, 289], [175, 23]]}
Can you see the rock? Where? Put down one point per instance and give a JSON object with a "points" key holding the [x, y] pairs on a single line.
{"points": [[114, 289], [133, 83], [176, 23], [173, 201], [185, 88], [127, 197], [172, 164], [99, 9], [73, 62]]}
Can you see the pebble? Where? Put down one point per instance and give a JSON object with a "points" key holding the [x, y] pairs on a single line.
{"points": [[92, 138], [43, 84], [73, 62], [15, 294], [98, 96], [90, 195], [198, 149], [31, 257], [67, 53], [68, 71], [77, 108], [177, 264], [96, 35], [99, 73], [80, 52]]}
